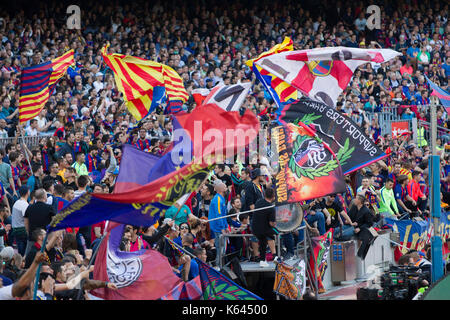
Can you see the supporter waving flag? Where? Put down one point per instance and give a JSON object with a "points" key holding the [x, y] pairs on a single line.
{"points": [[37, 84], [321, 73], [141, 275]]}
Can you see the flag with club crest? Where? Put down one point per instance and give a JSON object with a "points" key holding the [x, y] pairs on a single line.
{"points": [[353, 148], [322, 73], [308, 168], [141, 275]]}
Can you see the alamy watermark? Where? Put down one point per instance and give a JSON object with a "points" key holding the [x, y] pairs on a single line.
{"points": [[74, 20], [374, 21]]}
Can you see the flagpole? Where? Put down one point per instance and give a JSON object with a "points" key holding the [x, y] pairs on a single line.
{"points": [[26, 153], [94, 255], [236, 214], [38, 272]]}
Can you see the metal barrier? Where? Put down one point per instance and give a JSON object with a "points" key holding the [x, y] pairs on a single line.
{"points": [[231, 235], [385, 118], [30, 141], [442, 133]]}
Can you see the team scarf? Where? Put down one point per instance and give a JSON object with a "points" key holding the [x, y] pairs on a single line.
{"points": [[5, 236], [142, 144], [349, 195], [76, 147], [71, 119], [91, 163], [15, 175], [45, 160]]}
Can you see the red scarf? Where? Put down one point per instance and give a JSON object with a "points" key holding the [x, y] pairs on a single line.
{"points": [[5, 237]]}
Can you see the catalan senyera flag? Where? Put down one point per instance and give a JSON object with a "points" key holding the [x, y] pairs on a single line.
{"points": [[176, 93], [281, 91], [37, 82], [145, 84]]}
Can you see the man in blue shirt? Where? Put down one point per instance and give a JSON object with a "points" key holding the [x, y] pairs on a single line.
{"points": [[218, 208], [413, 50], [401, 194]]}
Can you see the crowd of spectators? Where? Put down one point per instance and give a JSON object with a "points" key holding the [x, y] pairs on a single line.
{"points": [[85, 123]]}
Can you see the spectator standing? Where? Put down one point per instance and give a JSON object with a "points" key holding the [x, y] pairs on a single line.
{"points": [[263, 224], [37, 215], [18, 225], [217, 209]]}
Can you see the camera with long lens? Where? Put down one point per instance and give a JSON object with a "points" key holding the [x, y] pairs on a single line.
{"points": [[398, 283]]}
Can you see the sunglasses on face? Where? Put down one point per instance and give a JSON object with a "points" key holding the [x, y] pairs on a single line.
{"points": [[184, 228]]}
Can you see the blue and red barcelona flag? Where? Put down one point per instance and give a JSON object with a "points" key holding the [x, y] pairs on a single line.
{"points": [[148, 187], [37, 84], [443, 96]]}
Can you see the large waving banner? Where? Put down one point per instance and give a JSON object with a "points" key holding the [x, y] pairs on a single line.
{"points": [[322, 73], [141, 275], [143, 204], [307, 168], [352, 147]]}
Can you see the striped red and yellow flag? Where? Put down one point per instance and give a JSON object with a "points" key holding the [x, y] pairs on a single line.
{"points": [[37, 83], [284, 90], [286, 45], [144, 83], [174, 85]]}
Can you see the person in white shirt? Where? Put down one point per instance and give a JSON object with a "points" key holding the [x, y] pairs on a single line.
{"points": [[98, 84], [22, 287], [17, 223], [3, 132], [31, 130]]}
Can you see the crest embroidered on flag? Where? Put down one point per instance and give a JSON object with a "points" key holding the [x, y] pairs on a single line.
{"points": [[322, 73]]}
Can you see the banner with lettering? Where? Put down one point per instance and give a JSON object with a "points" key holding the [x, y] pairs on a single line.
{"points": [[413, 235], [307, 168], [353, 148], [88, 209]]}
